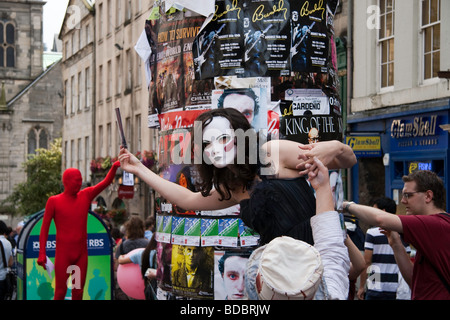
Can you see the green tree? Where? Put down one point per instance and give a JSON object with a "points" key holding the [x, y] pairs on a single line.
{"points": [[43, 180]]}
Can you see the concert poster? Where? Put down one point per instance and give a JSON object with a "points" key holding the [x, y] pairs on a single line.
{"points": [[266, 30], [217, 49], [310, 41]]}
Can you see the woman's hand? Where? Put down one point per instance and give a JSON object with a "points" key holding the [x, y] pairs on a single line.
{"points": [[317, 174], [333, 154], [128, 162]]}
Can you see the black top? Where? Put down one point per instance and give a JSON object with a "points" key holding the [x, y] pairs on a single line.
{"points": [[280, 207]]}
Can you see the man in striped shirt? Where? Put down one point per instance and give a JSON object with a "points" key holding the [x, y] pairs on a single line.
{"points": [[382, 276]]}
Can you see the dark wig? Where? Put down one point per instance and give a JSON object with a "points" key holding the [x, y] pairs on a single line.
{"points": [[234, 176]]}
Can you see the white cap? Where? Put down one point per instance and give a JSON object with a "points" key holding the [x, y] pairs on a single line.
{"points": [[288, 269]]}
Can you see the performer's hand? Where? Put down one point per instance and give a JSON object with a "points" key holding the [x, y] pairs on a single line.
{"points": [[42, 261], [128, 161], [324, 151], [317, 174]]}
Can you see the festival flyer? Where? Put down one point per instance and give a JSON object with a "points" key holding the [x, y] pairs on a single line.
{"points": [[209, 232], [192, 231], [247, 236], [228, 232], [164, 228], [178, 224]]}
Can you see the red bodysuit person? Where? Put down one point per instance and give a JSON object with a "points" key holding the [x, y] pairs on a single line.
{"points": [[69, 210]]}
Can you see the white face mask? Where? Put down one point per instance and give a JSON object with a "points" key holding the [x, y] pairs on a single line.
{"points": [[219, 142]]}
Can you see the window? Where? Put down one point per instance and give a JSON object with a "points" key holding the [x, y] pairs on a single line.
{"points": [[110, 17], [109, 139], [100, 23], [100, 140], [127, 130], [386, 42], [37, 139], [129, 71], [118, 13], [67, 93], [72, 153], [129, 11], [80, 92], [431, 31], [109, 89], [118, 75], [65, 154], [100, 83], [7, 44], [86, 157], [88, 86], [138, 133], [79, 154], [73, 92]]}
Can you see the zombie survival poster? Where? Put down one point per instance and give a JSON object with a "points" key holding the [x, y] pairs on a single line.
{"points": [[173, 86]]}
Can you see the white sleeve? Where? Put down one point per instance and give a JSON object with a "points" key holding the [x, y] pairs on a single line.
{"points": [[329, 241]]}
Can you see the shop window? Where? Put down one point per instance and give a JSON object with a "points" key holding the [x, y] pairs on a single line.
{"points": [[399, 170], [402, 168]]}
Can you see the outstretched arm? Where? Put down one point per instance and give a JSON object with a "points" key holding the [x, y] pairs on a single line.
{"points": [[99, 187], [284, 156], [402, 258], [333, 154], [374, 216], [49, 214], [174, 193]]}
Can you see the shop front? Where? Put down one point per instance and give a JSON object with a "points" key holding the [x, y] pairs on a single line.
{"points": [[394, 144]]}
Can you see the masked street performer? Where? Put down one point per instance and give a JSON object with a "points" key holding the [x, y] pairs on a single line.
{"points": [[69, 210], [277, 204]]}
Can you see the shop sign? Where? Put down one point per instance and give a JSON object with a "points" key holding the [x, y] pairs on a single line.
{"points": [[126, 192], [365, 146], [418, 133]]}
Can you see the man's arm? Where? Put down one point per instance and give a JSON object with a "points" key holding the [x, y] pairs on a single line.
{"points": [[374, 216], [363, 277], [402, 258]]}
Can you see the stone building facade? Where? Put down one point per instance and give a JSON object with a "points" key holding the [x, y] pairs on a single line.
{"points": [[99, 61], [30, 108]]}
